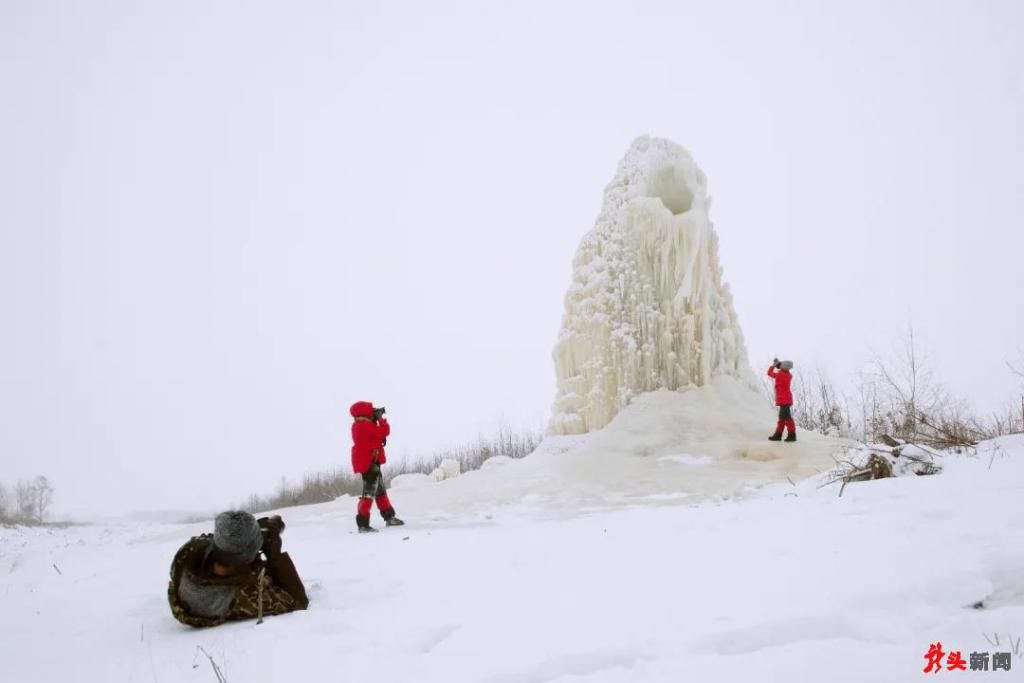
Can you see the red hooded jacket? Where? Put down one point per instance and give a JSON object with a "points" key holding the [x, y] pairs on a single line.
{"points": [[783, 378], [367, 437]]}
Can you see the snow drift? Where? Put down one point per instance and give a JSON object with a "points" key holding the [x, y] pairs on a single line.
{"points": [[647, 308], [665, 447]]}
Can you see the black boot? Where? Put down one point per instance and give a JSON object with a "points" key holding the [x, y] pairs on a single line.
{"points": [[777, 436], [363, 522], [791, 436], [390, 519]]}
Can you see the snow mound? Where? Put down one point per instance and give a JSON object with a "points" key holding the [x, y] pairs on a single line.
{"points": [[448, 469], [666, 446], [497, 461], [647, 308], [410, 480]]}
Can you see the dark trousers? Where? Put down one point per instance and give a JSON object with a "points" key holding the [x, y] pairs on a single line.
{"points": [[785, 420], [373, 490], [373, 482]]}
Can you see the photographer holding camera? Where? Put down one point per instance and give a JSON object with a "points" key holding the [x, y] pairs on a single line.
{"points": [[222, 577], [780, 372], [370, 430]]}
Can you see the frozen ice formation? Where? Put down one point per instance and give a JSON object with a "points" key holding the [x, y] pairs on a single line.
{"points": [[647, 308]]}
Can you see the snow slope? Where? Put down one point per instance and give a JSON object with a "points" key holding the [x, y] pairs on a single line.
{"points": [[785, 583]]}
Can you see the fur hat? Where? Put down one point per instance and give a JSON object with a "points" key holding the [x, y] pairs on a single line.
{"points": [[361, 409], [786, 365], [236, 537]]}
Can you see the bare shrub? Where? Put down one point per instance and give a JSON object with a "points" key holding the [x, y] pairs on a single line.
{"points": [[323, 487], [32, 501], [1017, 367], [472, 456], [1011, 420], [818, 406], [908, 387], [871, 420], [25, 500], [5, 503], [898, 395], [42, 491], [1008, 421], [315, 487], [910, 404]]}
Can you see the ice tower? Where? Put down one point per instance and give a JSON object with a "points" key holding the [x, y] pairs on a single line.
{"points": [[647, 307]]}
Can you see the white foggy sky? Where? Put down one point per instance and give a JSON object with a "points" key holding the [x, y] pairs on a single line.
{"points": [[221, 223]]}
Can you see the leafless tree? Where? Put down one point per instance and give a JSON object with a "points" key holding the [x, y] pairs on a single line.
{"points": [[5, 502], [34, 499], [42, 491], [914, 405], [24, 498], [909, 384], [872, 412], [1017, 367]]}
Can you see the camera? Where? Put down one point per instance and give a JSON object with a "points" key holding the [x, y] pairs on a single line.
{"points": [[378, 413], [271, 528], [273, 525]]}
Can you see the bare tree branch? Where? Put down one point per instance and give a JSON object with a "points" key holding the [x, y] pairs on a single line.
{"points": [[1016, 370], [216, 669]]}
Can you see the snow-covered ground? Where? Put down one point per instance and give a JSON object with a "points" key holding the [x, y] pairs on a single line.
{"points": [[784, 583]]}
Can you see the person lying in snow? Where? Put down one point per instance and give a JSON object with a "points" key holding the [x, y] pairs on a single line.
{"points": [[780, 372], [221, 577], [370, 430]]}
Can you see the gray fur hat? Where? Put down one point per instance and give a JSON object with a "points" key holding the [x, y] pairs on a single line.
{"points": [[237, 533], [786, 365]]}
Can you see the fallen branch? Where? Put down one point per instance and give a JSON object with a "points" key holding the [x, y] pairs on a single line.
{"points": [[947, 435], [877, 467], [889, 441], [216, 669], [897, 447]]}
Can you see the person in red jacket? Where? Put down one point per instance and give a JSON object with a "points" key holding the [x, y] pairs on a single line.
{"points": [[780, 372], [370, 430]]}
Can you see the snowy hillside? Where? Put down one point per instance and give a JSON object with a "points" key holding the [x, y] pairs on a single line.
{"points": [[787, 583]]}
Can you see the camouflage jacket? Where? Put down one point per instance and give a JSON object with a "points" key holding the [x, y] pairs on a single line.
{"points": [[198, 597]]}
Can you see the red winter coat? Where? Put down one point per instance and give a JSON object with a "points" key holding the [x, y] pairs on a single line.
{"points": [[367, 437], [783, 378]]}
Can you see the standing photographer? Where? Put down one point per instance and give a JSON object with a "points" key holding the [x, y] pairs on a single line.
{"points": [[780, 372], [221, 577], [370, 430]]}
